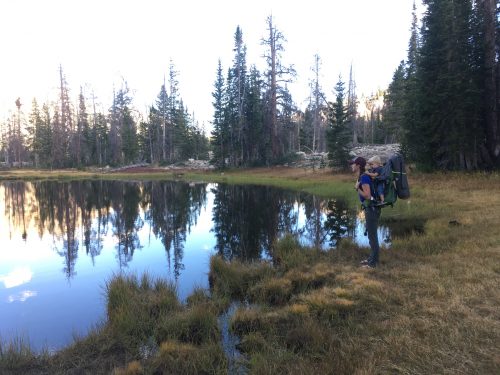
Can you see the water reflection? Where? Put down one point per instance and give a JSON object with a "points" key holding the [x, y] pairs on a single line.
{"points": [[338, 223], [171, 209], [246, 219], [86, 231], [16, 277]]}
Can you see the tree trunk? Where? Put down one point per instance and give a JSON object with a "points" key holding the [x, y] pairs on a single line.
{"points": [[273, 89], [164, 145], [491, 94]]}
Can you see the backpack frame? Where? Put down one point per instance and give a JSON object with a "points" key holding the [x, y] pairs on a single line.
{"points": [[395, 181]]}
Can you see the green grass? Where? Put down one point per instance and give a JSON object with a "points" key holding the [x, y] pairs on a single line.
{"points": [[431, 307], [147, 331]]}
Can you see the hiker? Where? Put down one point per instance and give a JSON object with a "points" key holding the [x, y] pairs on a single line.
{"points": [[375, 171], [364, 187]]}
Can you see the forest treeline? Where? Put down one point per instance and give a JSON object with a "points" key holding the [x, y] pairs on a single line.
{"points": [[442, 106], [443, 100]]}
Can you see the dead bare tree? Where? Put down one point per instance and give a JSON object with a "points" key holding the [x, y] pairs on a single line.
{"points": [[277, 74]]}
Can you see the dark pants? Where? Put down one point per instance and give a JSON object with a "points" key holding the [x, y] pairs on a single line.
{"points": [[372, 214]]}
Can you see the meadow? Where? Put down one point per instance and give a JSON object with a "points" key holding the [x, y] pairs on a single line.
{"points": [[431, 307]]}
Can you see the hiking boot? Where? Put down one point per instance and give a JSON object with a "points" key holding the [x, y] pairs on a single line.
{"points": [[368, 266]]}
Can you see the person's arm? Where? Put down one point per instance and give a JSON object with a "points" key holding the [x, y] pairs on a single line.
{"points": [[365, 191]]}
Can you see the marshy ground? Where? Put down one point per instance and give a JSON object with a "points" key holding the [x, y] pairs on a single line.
{"points": [[431, 307]]}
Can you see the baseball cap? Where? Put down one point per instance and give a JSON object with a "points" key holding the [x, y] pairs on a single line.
{"points": [[359, 161]]}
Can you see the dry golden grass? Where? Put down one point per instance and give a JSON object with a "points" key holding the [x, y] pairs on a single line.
{"points": [[441, 288], [133, 368], [431, 307]]}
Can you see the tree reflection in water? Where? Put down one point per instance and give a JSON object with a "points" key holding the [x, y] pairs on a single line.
{"points": [[246, 220], [126, 220], [171, 208], [338, 223], [15, 206]]}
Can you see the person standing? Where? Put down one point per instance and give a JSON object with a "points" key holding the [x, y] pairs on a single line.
{"points": [[364, 187]]}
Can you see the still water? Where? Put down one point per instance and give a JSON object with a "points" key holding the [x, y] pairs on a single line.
{"points": [[61, 241]]}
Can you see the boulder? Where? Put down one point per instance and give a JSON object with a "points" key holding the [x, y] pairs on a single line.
{"points": [[383, 151]]}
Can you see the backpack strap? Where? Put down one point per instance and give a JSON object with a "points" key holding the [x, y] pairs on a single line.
{"points": [[368, 202]]}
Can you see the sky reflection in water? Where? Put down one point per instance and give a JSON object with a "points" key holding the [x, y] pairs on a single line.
{"points": [[61, 242]]}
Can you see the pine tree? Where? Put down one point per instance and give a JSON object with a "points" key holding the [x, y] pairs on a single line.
{"points": [[231, 118], [198, 141], [39, 135], [114, 136], [447, 131], [352, 110], [287, 123], [123, 130], [33, 130], [394, 106], [220, 132], [236, 85], [488, 25], [181, 143], [255, 148], [18, 141], [83, 142], [98, 136], [63, 125], [128, 127], [101, 135], [158, 131], [307, 129], [144, 141], [338, 133], [162, 114], [45, 138], [317, 108]]}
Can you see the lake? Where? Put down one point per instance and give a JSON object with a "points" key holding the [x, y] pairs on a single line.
{"points": [[62, 241]]}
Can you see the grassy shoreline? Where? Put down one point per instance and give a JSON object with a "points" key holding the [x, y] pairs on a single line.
{"points": [[431, 306]]}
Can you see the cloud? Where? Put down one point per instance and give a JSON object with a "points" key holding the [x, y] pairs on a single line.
{"points": [[16, 277], [21, 296]]}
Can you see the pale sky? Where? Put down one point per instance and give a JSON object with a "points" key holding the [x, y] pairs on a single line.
{"points": [[99, 42]]}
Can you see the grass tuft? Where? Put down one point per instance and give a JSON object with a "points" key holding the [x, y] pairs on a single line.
{"points": [[181, 358], [308, 337], [235, 278], [325, 303], [134, 306], [274, 291], [199, 296], [196, 325], [17, 355], [287, 252]]}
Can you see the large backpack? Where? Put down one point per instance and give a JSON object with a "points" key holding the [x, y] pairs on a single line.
{"points": [[395, 180]]}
